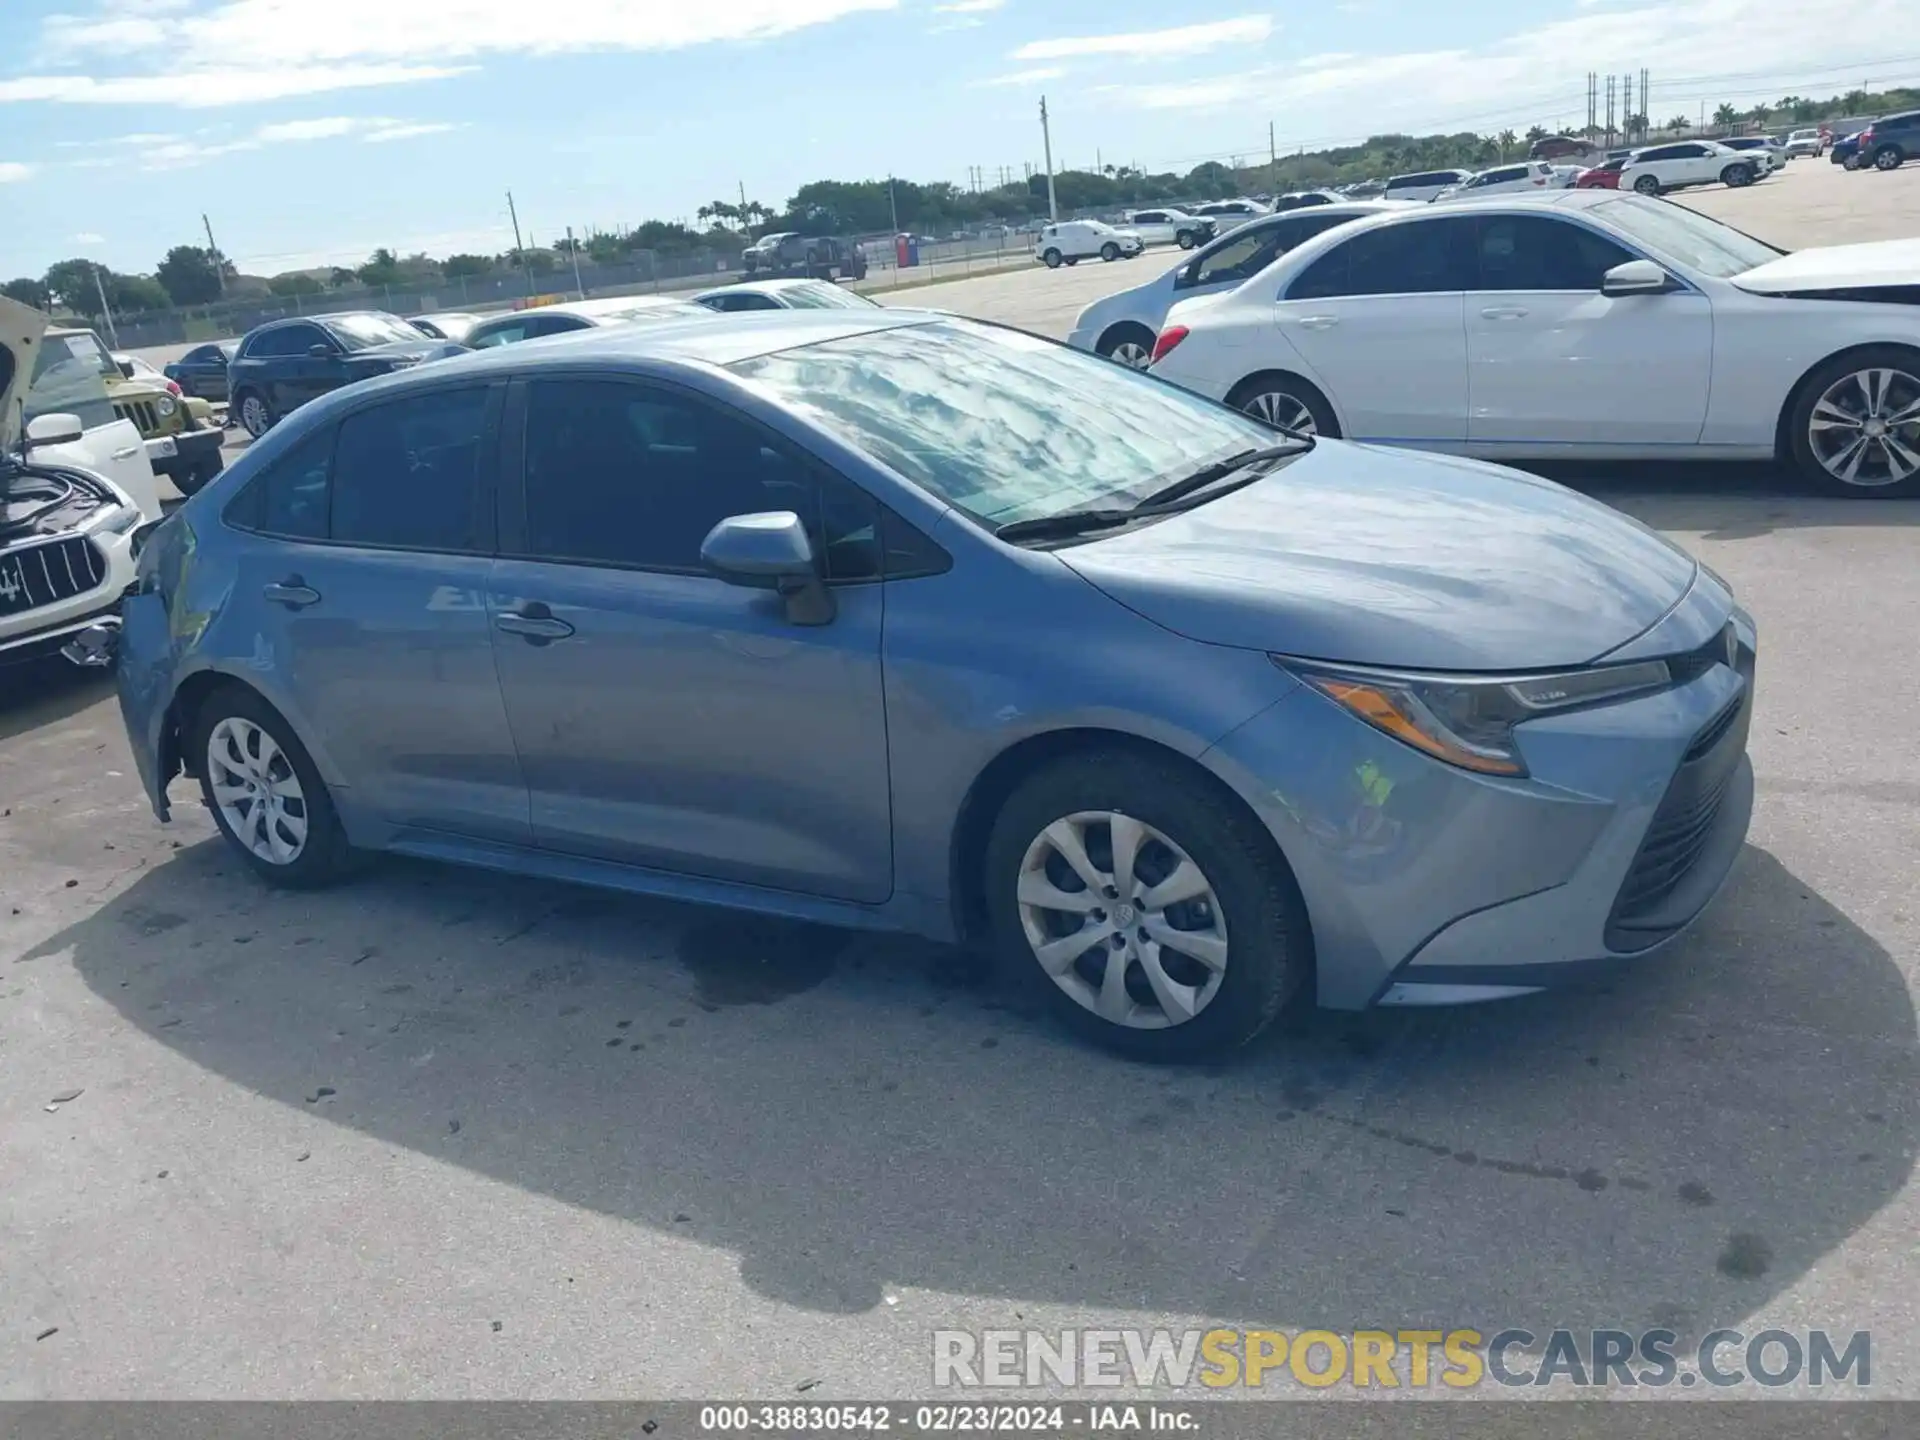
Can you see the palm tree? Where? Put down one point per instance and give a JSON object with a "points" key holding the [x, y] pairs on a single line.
{"points": [[1677, 124], [1635, 125], [1760, 114], [1726, 117], [1536, 132], [1507, 140]]}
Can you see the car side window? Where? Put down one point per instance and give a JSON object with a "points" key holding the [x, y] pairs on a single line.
{"points": [[289, 498], [407, 473], [1532, 252], [1246, 255], [624, 474], [505, 334], [1418, 258], [299, 339], [68, 379]]}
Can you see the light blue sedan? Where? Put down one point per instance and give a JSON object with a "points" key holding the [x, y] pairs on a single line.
{"points": [[900, 621]]}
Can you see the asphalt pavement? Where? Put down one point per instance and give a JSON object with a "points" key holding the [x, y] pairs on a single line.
{"points": [[444, 1134]]}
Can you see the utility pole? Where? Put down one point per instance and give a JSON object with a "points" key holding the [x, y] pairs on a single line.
{"points": [[1646, 106], [1273, 159], [1593, 96], [526, 269], [743, 203], [106, 310], [1046, 139], [893, 206], [579, 288], [219, 265]]}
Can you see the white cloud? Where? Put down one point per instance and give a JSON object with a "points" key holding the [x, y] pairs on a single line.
{"points": [[87, 237], [12, 170], [325, 129], [179, 154], [1154, 44], [1025, 77], [408, 131], [969, 7], [269, 49]]}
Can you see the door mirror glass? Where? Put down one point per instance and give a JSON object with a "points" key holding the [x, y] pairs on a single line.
{"points": [[771, 550], [1636, 277], [58, 428], [320, 350]]}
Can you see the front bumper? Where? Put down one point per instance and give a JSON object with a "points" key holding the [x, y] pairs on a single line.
{"points": [[183, 452], [1426, 884]]}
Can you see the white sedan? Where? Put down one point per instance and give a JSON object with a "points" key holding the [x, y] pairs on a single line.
{"points": [[789, 294], [1122, 327], [1582, 324], [1659, 168]]}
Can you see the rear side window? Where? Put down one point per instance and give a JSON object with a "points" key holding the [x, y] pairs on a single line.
{"points": [[289, 498], [407, 474], [1424, 257]]}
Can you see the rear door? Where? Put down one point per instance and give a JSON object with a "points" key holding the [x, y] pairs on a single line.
{"points": [[1552, 362], [366, 595], [666, 718], [1379, 321]]}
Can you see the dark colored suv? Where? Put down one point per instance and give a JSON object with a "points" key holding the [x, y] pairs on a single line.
{"points": [[202, 370], [285, 363], [1888, 142], [820, 257]]}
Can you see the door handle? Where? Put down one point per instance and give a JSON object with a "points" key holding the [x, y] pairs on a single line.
{"points": [[293, 592], [126, 454], [1504, 312], [1318, 322], [534, 622]]}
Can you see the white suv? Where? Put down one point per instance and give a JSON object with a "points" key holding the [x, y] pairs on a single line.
{"points": [[1170, 227], [1072, 241], [1229, 214], [1520, 179], [1660, 168], [74, 487]]}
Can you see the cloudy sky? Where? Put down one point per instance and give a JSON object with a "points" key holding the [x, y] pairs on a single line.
{"points": [[311, 131]]}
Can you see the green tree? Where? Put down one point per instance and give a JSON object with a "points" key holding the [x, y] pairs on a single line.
{"points": [[134, 293], [1536, 132], [382, 268], [1677, 124], [456, 267], [1760, 114], [1854, 102], [70, 283], [1726, 117], [294, 282], [190, 275], [27, 291], [340, 278], [1506, 140], [1635, 125]]}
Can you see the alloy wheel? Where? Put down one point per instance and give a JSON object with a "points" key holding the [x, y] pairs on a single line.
{"points": [[1277, 407], [1865, 428], [253, 416], [1122, 920], [259, 795], [1888, 159], [1132, 354]]}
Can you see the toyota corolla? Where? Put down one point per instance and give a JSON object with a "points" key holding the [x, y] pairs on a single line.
{"points": [[896, 620]]}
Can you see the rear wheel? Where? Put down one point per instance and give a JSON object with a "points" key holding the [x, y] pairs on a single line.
{"points": [[1153, 914], [1855, 424], [1287, 403], [1646, 185], [1131, 345], [1736, 176], [264, 792], [1053, 259], [1888, 157]]}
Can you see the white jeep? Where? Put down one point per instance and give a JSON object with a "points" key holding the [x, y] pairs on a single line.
{"points": [[75, 485]]}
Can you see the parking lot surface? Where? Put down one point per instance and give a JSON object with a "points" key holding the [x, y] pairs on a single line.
{"points": [[439, 1133]]}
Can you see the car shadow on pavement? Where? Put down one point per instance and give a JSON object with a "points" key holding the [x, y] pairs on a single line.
{"points": [[43, 693], [853, 1114], [1725, 501]]}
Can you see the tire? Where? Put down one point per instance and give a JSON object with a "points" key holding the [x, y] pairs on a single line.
{"points": [[1737, 177], [1072, 260], [256, 415], [1280, 399], [1128, 344], [1053, 259], [196, 479], [1877, 476], [1646, 185], [1109, 252], [1852, 162], [233, 713], [1250, 910], [1888, 157], [1186, 240]]}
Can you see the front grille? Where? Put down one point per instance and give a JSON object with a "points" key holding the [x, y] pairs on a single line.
{"points": [[141, 412], [45, 574], [1681, 826]]}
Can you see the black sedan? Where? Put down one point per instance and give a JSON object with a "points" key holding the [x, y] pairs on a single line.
{"points": [[285, 363], [1845, 151], [202, 370]]}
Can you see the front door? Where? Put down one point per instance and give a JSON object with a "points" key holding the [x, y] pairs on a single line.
{"points": [[1379, 322], [366, 602], [665, 718], [1551, 361]]}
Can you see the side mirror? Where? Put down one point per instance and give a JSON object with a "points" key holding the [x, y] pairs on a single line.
{"points": [[1636, 277], [126, 369], [320, 351], [771, 551], [59, 428]]}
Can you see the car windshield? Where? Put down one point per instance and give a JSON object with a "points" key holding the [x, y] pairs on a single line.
{"points": [[357, 332], [1687, 238], [816, 296], [1003, 425]]}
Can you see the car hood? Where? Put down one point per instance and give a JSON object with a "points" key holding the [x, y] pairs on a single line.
{"points": [[421, 349], [21, 328], [1874, 265], [1380, 557]]}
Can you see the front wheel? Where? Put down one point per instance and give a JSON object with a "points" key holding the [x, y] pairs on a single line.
{"points": [[1186, 240], [1852, 162], [1053, 259], [1855, 425], [1888, 158], [255, 418], [264, 792], [1109, 252], [1737, 176], [1646, 185], [1153, 914]]}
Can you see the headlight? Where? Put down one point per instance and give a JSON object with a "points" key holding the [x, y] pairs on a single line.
{"points": [[1469, 720], [120, 520], [166, 405]]}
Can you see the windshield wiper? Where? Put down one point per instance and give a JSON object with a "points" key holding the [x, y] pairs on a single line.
{"points": [[1071, 522], [1189, 484]]}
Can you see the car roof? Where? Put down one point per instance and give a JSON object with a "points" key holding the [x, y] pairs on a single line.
{"points": [[605, 308], [772, 283]]}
